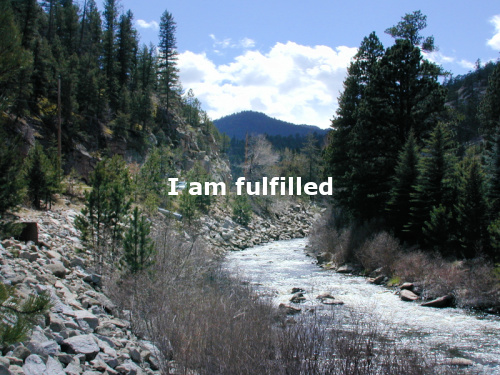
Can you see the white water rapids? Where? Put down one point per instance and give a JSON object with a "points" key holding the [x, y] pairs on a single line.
{"points": [[275, 268]]}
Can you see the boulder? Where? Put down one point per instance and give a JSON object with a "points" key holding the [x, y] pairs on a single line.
{"points": [[325, 295], [331, 301], [460, 362], [298, 298], [377, 280], [346, 268], [21, 352], [289, 310], [407, 295], [83, 344], [297, 290], [441, 302], [57, 269], [407, 286], [34, 365], [86, 319], [54, 367], [4, 370]]}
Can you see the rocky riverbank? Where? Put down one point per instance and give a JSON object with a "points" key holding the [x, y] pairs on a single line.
{"points": [[293, 221], [82, 334]]}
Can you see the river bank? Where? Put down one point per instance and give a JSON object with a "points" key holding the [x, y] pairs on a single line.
{"points": [[451, 334]]}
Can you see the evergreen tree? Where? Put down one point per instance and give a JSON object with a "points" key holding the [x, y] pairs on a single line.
{"points": [[17, 315], [167, 70], [472, 209], [489, 112], [200, 175], [138, 248], [43, 178], [106, 205], [409, 29], [187, 206], [337, 154], [434, 187], [404, 181], [110, 52], [13, 57], [11, 182], [242, 211]]}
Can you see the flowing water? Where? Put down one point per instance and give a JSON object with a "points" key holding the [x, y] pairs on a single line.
{"points": [[274, 269]]}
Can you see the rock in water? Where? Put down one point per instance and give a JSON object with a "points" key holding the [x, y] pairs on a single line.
{"points": [[445, 301], [407, 295]]}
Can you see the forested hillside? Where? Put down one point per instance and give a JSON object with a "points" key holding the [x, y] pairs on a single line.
{"points": [[419, 158], [238, 125], [67, 65]]}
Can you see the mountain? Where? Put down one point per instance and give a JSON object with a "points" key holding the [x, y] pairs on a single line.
{"points": [[239, 124]]}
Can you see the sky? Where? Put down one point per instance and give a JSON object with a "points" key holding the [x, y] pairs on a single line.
{"points": [[288, 59]]}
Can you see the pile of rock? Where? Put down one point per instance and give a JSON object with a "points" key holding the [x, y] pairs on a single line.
{"points": [[222, 233], [82, 333]]}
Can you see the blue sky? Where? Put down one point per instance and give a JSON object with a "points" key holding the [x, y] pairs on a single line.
{"points": [[288, 59]]}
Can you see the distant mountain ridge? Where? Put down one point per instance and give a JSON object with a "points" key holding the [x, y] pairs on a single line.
{"points": [[239, 124]]}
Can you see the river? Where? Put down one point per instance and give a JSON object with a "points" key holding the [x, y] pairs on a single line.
{"points": [[275, 268]]}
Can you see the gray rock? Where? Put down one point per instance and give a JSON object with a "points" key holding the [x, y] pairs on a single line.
{"points": [[298, 298], [441, 302], [407, 295], [93, 279], [407, 285], [34, 365], [4, 370], [21, 352], [43, 348], [54, 367], [16, 370], [346, 268], [57, 269], [84, 316], [129, 368], [83, 344], [77, 262], [135, 355], [289, 310], [73, 368], [460, 362]]}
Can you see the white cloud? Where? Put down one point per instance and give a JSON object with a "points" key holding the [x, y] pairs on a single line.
{"points": [[494, 42], [245, 43], [291, 82], [147, 25]]}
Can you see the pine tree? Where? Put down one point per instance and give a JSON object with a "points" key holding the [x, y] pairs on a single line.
{"points": [[17, 315], [13, 57], [472, 209], [434, 187], [110, 52], [106, 206], [404, 181], [242, 211], [11, 182], [338, 152], [39, 176], [168, 70], [489, 112], [138, 248], [409, 29], [187, 206]]}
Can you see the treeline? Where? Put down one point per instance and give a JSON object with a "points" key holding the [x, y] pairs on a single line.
{"points": [[109, 85], [399, 158]]}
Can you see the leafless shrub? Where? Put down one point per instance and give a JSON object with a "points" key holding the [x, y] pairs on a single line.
{"points": [[382, 251]]}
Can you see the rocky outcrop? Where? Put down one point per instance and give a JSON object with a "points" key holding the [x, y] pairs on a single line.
{"points": [[223, 234], [81, 334]]}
